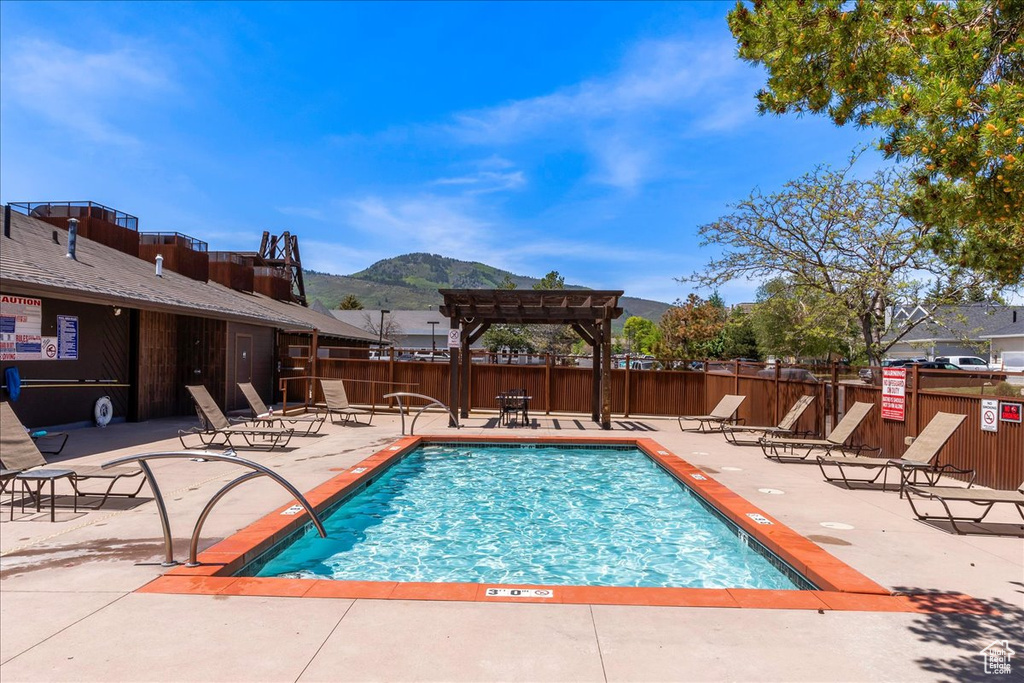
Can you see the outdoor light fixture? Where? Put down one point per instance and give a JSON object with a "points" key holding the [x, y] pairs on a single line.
{"points": [[380, 331], [433, 343]]}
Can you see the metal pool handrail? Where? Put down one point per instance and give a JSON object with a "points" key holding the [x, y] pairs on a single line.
{"points": [[431, 401], [204, 456]]}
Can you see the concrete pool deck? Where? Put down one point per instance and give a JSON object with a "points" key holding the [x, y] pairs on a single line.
{"points": [[71, 609]]}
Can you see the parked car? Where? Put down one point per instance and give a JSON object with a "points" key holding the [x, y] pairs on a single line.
{"points": [[788, 374], [964, 362], [437, 356], [937, 365]]}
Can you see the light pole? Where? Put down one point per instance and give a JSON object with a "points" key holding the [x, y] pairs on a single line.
{"points": [[380, 331], [433, 344]]}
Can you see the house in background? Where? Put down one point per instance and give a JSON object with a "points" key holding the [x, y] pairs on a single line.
{"points": [[406, 329], [951, 330], [1008, 345]]}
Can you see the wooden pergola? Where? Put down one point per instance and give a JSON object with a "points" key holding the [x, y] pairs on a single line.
{"points": [[588, 312]]}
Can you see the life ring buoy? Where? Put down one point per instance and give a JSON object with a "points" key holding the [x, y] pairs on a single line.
{"points": [[103, 411]]}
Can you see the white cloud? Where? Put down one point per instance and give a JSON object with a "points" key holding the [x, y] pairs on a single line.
{"points": [[82, 91], [422, 223], [485, 182], [627, 120]]}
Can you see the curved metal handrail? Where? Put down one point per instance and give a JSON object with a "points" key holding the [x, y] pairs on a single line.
{"points": [[431, 401], [204, 456]]}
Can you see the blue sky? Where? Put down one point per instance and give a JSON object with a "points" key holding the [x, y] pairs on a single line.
{"points": [[589, 138]]}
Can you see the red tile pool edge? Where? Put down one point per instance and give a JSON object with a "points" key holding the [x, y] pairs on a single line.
{"points": [[842, 587]]}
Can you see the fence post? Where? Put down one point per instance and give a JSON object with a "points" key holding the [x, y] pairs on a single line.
{"points": [[626, 398], [775, 412], [736, 377], [547, 383], [916, 384], [834, 395]]}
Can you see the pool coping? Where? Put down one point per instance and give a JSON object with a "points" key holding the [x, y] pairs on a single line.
{"points": [[841, 587]]}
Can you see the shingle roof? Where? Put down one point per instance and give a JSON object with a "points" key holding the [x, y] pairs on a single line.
{"points": [[409, 322], [970, 321], [1012, 330], [326, 324], [33, 264]]}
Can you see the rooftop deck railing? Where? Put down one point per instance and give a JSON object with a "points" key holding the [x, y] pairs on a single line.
{"points": [[77, 209], [173, 239]]}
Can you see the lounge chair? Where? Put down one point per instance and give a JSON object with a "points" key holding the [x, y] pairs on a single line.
{"points": [[721, 414], [337, 402], [983, 498], [917, 458], [262, 414], [785, 426], [785, 448], [19, 454], [214, 424]]}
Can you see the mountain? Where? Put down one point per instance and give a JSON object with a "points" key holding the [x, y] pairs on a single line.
{"points": [[411, 282]]}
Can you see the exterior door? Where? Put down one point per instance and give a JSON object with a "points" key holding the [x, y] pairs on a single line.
{"points": [[243, 367]]}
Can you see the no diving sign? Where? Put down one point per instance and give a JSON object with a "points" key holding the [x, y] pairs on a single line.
{"points": [[989, 415]]}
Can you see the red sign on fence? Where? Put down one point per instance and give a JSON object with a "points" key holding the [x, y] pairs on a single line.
{"points": [[1009, 412], [894, 394]]}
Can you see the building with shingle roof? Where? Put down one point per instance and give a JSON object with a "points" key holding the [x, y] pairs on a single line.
{"points": [[963, 330], [139, 335]]}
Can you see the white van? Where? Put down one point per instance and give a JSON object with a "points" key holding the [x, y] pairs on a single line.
{"points": [[965, 362]]}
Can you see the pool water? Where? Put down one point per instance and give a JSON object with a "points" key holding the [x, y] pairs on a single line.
{"points": [[547, 515]]}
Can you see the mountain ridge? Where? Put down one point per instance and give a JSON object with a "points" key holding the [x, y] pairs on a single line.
{"points": [[410, 282]]}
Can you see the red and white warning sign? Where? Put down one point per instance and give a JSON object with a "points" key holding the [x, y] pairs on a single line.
{"points": [[894, 393], [989, 415]]}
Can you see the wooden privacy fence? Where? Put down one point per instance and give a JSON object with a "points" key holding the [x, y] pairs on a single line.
{"points": [[998, 457]]}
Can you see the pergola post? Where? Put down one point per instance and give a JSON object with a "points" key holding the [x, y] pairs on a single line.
{"points": [[464, 377], [606, 374], [595, 375], [453, 379]]}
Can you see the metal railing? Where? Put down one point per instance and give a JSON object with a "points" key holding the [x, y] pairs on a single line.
{"points": [[402, 408], [205, 456], [77, 209], [173, 238]]}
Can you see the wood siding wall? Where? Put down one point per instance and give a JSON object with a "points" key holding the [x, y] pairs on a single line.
{"points": [[66, 391], [104, 232], [175, 351]]}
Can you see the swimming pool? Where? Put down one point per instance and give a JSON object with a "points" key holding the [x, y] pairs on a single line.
{"points": [[227, 567], [529, 514]]}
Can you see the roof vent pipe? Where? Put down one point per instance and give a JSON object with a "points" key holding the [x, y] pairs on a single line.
{"points": [[159, 265], [72, 237]]}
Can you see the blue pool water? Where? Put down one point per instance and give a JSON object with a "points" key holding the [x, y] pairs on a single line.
{"points": [[540, 515]]}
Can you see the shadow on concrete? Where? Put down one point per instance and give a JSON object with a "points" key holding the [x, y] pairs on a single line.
{"points": [[968, 634]]}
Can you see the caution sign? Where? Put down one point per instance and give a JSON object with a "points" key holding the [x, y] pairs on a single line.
{"points": [[21, 322], [990, 415]]}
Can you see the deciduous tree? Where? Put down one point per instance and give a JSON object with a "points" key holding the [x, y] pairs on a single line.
{"points": [[643, 334], [689, 327], [942, 81], [845, 241]]}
